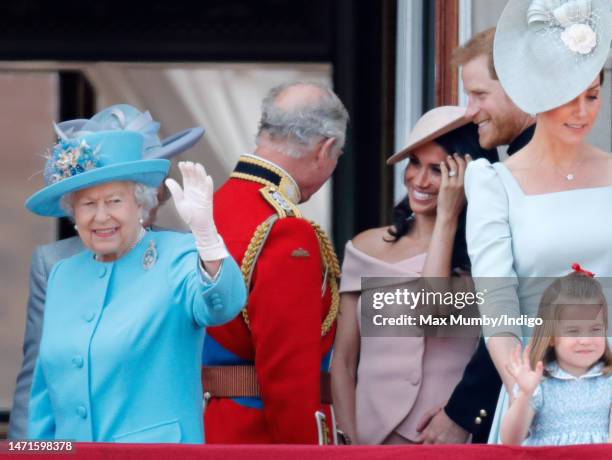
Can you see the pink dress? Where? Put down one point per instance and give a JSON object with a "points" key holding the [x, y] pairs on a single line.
{"points": [[399, 379]]}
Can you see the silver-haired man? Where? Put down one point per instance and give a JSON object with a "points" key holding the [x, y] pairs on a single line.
{"points": [[265, 373]]}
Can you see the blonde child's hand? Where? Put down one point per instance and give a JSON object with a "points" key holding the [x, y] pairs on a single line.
{"points": [[526, 378]]}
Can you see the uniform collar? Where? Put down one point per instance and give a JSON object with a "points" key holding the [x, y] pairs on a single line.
{"points": [[256, 169], [555, 371], [521, 140]]}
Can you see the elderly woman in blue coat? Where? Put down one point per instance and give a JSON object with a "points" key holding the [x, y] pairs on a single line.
{"points": [[124, 320]]}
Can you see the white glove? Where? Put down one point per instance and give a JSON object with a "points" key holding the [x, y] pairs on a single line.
{"points": [[194, 204]]}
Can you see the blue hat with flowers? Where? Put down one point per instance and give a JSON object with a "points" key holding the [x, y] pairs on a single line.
{"points": [[547, 52], [124, 117], [118, 144]]}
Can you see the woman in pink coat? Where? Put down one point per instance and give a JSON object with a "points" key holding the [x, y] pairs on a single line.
{"points": [[384, 388]]}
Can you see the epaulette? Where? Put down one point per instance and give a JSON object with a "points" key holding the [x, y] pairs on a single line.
{"points": [[281, 204]]}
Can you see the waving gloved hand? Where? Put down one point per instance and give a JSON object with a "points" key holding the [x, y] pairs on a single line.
{"points": [[194, 204]]}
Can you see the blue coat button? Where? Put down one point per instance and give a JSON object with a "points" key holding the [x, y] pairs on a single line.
{"points": [[102, 272], [82, 412], [78, 361], [89, 316]]}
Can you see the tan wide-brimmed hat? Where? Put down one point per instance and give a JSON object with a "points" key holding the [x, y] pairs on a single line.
{"points": [[430, 126]]}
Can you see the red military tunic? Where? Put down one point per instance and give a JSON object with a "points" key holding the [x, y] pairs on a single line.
{"points": [[285, 339]]}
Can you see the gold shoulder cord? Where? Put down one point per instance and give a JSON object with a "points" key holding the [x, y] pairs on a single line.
{"points": [[331, 272], [329, 266]]}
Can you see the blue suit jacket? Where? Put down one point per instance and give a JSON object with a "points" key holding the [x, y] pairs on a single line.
{"points": [[121, 345], [43, 260]]}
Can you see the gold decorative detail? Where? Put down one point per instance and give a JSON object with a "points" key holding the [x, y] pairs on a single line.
{"points": [[252, 253], [281, 204], [288, 188], [331, 273], [287, 185], [329, 266], [251, 177], [300, 252], [322, 429], [326, 433]]}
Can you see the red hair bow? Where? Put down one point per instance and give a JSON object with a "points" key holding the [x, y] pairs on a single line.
{"points": [[578, 269]]}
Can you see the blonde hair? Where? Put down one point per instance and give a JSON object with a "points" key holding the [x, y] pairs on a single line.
{"points": [[480, 44], [573, 286]]}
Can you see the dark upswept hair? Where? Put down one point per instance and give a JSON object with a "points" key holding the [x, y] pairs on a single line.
{"points": [[462, 140]]}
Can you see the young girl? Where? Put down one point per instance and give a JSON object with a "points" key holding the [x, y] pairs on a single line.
{"points": [[563, 386]]}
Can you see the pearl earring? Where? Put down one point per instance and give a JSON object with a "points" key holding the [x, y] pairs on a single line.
{"points": [[75, 227], [141, 220]]}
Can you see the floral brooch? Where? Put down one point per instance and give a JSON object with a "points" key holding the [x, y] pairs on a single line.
{"points": [[68, 158], [574, 17]]}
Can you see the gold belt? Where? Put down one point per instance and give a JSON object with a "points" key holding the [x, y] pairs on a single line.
{"points": [[240, 381]]}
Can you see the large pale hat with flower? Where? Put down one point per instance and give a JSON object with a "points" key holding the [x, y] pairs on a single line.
{"points": [[547, 52], [119, 143]]}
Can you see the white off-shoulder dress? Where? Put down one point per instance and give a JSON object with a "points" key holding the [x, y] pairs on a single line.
{"points": [[516, 240]]}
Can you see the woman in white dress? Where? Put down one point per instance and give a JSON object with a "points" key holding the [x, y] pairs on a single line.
{"points": [[550, 204]]}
